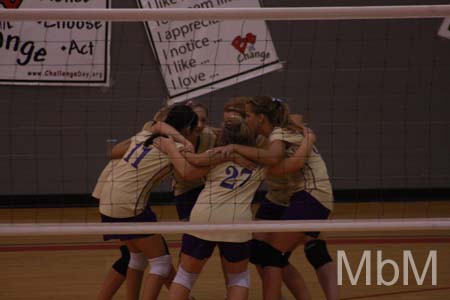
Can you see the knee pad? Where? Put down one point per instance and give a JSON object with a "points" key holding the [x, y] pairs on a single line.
{"points": [[185, 278], [121, 265], [161, 265], [317, 253], [272, 257], [255, 252], [238, 279], [138, 261]]}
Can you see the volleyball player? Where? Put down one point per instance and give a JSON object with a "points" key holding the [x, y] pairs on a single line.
{"points": [[312, 200], [265, 115], [226, 198], [186, 191], [124, 199], [117, 274], [308, 194]]}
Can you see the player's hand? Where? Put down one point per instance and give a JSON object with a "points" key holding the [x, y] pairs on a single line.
{"points": [[225, 151], [216, 131], [164, 144], [309, 135], [188, 147], [243, 161]]}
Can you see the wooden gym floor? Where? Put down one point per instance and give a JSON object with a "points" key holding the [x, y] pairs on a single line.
{"points": [[73, 267]]}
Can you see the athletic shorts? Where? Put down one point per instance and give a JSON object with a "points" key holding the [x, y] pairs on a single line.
{"points": [[202, 249], [269, 211], [186, 201], [305, 207], [146, 216]]}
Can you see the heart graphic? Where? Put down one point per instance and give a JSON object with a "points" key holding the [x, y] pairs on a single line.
{"points": [[251, 38], [11, 3], [240, 43]]}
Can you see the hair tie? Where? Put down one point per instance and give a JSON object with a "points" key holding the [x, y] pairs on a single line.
{"points": [[278, 100]]}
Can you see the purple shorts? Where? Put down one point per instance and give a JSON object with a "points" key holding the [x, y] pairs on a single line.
{"points": [[201, 249], [269, 211], [186, 201], [146, 216], [305, 207]]}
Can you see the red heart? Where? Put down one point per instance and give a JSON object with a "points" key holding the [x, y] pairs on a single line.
{"points": [[240, 44], [251, 38], [11, 3]]}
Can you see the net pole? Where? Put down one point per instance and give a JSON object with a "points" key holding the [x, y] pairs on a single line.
{"points": [[277, 13]]}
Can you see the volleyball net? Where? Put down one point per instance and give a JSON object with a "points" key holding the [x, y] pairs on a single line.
{"points": [[372, 81]]}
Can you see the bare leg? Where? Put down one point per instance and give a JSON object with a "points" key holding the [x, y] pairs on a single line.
{"points": [[295, 283], [290, 275], [134, 282], [152, 247], [191, 265], [327, 275], [111, 285], [272, 276], [134, 277], [235, 292]]}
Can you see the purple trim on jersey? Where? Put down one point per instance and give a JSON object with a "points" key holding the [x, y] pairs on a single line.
{"points": [[186, 201], [269, 211], [305, 207], [146, 216], [202, 249]]}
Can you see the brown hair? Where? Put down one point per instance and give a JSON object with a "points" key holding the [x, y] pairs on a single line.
{"points": [[162, 114], [237, 104], [276, 110], [199, 105], [236, 131], [296, 123]]}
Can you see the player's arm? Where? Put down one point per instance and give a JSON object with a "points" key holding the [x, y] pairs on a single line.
{"points": [[180, 164], [212, 158], [204, 159], [166, 129], [119, 149], [266, 157], [298, 160]]}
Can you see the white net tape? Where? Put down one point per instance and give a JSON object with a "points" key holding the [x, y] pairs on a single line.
{"points": [[291, 13]]}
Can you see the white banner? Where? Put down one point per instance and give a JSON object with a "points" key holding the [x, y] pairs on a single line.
{"points": [[55, 52], [198, 57], [444, 30]]}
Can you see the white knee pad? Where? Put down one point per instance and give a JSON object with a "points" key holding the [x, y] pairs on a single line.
{"points": [[185, 278], [138, 261], [239, 279], [160, 265]]}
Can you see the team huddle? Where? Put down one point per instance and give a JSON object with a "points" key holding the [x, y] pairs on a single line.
{"points": [[216, 173]]}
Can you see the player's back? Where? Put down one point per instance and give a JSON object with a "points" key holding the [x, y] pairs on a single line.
{"points": [[226, 198]]}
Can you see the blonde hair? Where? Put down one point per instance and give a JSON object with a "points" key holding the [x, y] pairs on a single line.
{"points": [[236, 131]]}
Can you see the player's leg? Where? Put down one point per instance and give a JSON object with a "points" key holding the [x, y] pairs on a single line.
{"points": [[235, 265], [154, 249], [116, 275], [194, 255]]}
